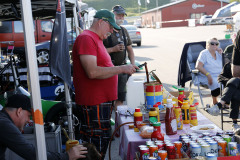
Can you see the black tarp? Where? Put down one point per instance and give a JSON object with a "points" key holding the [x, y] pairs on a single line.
{"points": [[41, 9], [59, 50]]}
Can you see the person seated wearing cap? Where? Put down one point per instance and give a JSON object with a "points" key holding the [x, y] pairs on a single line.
{"points": [[14, 116], [95, 80], [117, 45]]}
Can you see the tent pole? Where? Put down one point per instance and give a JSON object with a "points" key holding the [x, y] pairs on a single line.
{"points": [[30, 50], [76, 18], [69, 112]]}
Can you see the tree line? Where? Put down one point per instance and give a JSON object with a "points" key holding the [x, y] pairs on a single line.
{"points": [[132, 7]]}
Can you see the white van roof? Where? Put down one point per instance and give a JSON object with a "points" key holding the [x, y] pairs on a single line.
{"points": [[224, 11]]}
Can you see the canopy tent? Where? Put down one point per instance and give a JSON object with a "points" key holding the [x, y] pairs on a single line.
{"points": [[26, 11], [41, 9]]}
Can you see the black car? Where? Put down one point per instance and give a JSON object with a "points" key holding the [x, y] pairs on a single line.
{"points": [[44, 47]]}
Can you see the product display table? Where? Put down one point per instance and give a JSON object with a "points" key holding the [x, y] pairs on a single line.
{"points": [[130, 140]]}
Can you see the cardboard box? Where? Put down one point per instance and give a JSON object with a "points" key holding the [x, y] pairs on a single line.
{"points": [[188, 94], [185, 156], [53, 143], [232, 157]]}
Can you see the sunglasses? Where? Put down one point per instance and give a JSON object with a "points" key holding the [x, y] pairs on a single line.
{"points": [[111, 27], [214, 43]]}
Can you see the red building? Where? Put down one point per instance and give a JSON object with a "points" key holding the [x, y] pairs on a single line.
{"points": [[177, 13]]}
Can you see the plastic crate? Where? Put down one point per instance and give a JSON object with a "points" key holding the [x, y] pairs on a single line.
{"points": [[53, 143]]}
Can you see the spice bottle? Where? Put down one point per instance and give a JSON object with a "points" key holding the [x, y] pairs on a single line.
{"points": [[138, 119], [170, 119], [180, 96], [157, 109], [178, 114], [185, 113], [193, 116], [152, 113], [157, 134]]}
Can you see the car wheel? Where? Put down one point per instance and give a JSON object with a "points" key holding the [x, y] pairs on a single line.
{"points": [[43, 56], [139, 44]]}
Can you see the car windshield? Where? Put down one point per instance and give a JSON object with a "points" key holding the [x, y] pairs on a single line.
{"points": [[130, 27], [5, 26]]}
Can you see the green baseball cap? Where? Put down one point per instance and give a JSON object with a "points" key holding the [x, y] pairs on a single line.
{"points": [[107, 16]]}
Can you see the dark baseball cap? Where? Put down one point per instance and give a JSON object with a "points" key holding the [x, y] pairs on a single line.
{"points": [[106, 15], [19, 101], [119, 10]]}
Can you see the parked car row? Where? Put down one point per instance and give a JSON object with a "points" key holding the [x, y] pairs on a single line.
{"points": [[11, 34], [207, 20]]}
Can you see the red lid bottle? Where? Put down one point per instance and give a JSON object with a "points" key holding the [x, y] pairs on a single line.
{"points": [[138, 119], [180, 96]]}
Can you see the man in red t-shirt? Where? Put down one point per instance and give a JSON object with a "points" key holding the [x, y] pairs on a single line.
{"points": [[95, 80]]}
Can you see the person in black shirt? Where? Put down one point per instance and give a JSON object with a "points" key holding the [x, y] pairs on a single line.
{"points": [[14, 116], [231, 92], [118, 44]]}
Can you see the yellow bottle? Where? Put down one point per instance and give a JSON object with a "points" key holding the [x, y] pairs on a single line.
{"points": [[185, 113], [152, 113], [193, 116], [157, 109], [178, 113]]}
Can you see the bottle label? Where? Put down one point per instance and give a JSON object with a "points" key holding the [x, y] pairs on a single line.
{"points": [[185, 117], [193, 116], [174, 125], [180, 115], [188, 114], [183, 114]]}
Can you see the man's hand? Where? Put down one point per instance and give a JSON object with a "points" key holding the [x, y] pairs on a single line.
{"points": [[118, 48], [129, 69], [77, 152], [220, 51]]}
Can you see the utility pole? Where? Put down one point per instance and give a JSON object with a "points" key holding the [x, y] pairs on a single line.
{"points": [[157, 10]]}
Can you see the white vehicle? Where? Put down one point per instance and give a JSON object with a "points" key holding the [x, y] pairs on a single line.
{"points": [[206, 19], [222, 13], [236, 17], [226, 20]]}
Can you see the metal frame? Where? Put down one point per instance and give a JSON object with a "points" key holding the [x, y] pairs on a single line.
{"points": [[195, 72]]}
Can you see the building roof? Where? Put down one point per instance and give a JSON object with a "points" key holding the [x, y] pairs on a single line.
{"points": [[174, 3]]}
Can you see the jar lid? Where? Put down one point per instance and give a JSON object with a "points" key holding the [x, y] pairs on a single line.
{"points": [[152, 109], [157, 124], [153, 120], [180, 89], [137, 110]]}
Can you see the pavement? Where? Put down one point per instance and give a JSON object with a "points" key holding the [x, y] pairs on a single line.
{"points": [[161, 49]]}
